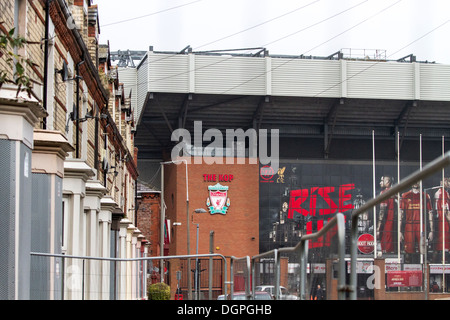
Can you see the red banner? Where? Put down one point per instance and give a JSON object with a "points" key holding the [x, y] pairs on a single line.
{"points": [[404, 279]]}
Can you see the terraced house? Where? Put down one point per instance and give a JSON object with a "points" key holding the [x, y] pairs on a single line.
{"points": [[68, 165]]}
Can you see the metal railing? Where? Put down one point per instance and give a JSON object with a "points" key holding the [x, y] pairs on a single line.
{"points": [[247, 265], [301, 249], [428, 170], [77, 287]]}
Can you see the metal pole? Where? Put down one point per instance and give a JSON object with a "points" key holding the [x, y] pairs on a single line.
{"points": [[303, 268], [163, 218], [189, 278], [277, 274], [196, 268], [46, 43], [77, 107], [375, 253], [353, 255], [425, 253], [63, 276], [248, 283], [232, 277], [341, 254], [210, 269], [443, 220], [398, 199], [82, 281], [422, 228]]}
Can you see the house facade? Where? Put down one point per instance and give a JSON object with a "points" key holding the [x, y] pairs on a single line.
{"points": [[69, 160]]}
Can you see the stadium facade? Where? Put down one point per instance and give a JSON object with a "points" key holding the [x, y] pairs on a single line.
{"points": [[336, 132]]}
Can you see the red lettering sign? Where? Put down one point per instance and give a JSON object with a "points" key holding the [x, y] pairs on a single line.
{"points": [[217, 177], [404, 279], [295, 202], [366, 243], [304, 202]]}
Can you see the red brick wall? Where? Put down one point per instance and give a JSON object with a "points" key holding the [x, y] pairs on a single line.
{"points": [[237, 232], [148, 220]]}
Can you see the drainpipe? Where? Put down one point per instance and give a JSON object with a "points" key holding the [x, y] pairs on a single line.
{"points": [[77, 111], [96, 141], [44, 96]]}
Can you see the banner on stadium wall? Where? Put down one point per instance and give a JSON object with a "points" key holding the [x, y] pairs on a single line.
{"points": [[301, 197], [404, 279]]}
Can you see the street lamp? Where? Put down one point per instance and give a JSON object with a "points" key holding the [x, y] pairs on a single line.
{"points": [[163, 209], [196, 273]]}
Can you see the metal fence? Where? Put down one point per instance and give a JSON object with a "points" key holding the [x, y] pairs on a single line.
{"points": [[65, 277], [72, 277], [306, 272], [262, 273]]}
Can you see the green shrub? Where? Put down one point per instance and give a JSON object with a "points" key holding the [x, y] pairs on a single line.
{"points": [[159, 291]]}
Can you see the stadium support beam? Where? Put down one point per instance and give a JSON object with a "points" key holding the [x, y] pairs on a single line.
{"points": [[330, 119], [182, 114], [258, 114], [404, 118]]}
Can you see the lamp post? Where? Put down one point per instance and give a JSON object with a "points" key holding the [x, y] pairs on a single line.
{"points": [[196, 274], [163, 209]]}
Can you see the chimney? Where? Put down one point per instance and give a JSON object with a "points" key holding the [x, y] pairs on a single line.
{"points": [[93, 34], [79, 10]]}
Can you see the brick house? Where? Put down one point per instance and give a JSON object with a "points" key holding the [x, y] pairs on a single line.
{"points": [[69, 162]]}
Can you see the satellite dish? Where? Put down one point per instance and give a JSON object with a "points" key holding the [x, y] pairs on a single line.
{"points": [[64, 72]]}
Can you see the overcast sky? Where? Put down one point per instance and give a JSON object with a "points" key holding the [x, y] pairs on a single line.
{"points": [[291, 27]]}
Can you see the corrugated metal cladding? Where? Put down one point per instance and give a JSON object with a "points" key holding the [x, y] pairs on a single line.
{"points": [[435, 82], [128, 77], [142, 85], [230, 75], [380, 80], [168, 73], [308, 78], [210, 74]]}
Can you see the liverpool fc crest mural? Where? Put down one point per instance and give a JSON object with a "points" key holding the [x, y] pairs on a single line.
{"points": [[218, 201]]}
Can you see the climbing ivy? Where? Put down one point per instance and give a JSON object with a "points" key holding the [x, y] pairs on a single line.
{"points": [[16, 63]]}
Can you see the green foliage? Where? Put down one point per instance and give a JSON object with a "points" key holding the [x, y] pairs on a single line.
{"points": [[159, 291], [15, 61]]}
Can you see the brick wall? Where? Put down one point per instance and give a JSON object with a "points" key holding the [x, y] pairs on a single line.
{"points": [[148, 219], [7, 17], [236, 232], [63, 47]]}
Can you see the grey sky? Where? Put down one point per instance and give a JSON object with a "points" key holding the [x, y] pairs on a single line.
{"points": [[311, 27]]}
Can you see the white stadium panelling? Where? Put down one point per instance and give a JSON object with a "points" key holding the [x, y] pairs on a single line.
{"points": [[168, 73], [128, 77], [213, 74], [142, 86], [230, 75], [435, 82], [308, 78], [380, 80]]}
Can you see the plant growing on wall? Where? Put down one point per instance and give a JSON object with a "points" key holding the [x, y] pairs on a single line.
{"points": [[15, 61]]}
